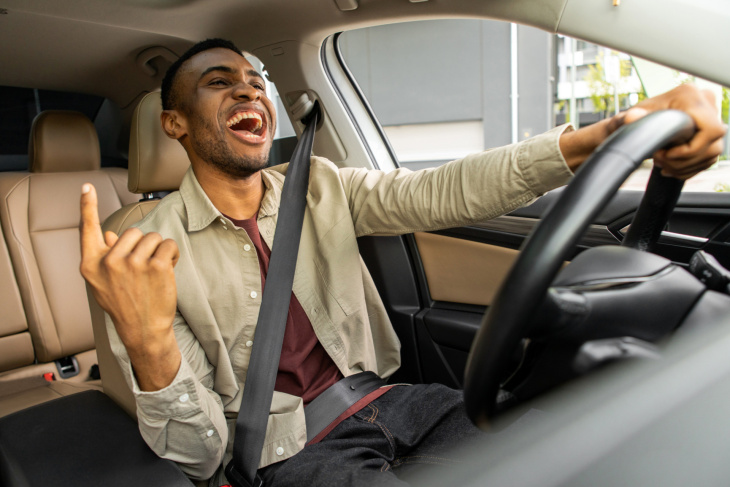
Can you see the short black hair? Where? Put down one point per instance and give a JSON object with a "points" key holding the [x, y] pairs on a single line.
{"points": [[168, 92]]}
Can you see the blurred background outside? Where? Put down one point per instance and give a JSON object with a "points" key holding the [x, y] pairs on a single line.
{"points": [[446, 88]]}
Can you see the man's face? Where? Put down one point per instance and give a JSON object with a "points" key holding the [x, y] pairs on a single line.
{"points": [[227, 117]]}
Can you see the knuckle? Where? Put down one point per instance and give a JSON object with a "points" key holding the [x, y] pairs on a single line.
{"points": [[132, 232], [158, 265], [154, 236]]}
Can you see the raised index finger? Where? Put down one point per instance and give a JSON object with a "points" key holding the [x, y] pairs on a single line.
{"points": [[92, 239]]}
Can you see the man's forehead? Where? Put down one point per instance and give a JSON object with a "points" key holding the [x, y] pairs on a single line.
{"points": [[218, 56]]}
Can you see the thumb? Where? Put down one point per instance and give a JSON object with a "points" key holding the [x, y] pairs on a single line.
{"points": [[634, 114], [110, 238]]}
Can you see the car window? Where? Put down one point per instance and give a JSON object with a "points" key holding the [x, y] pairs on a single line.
{"points": [[18, 108], [285, 138], [442, 89]]}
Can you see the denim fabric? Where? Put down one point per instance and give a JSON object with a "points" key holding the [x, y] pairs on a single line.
{"points": [[406, 427]]}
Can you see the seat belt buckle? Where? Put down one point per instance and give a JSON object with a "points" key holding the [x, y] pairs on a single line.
{"points": [[237, 480]]}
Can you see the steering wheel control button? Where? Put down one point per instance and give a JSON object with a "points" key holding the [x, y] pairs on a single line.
{"points": [[185, 397], [249, 344], [209, 433], [280, 451], [254, 294], [247, 248]]}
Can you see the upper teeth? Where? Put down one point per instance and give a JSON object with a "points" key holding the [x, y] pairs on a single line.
{"points": [[240, 116]]}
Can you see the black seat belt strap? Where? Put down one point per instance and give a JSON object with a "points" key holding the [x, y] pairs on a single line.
{"points": [[269, 335]]}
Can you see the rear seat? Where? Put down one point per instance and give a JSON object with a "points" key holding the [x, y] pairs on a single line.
{"points": [[39, 213]]}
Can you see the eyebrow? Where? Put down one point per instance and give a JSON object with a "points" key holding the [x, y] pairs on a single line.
{"points": [[230, 70]]}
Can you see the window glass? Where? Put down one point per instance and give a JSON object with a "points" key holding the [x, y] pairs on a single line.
{"points": [[445, 88], [285, 138], [18, 108]]}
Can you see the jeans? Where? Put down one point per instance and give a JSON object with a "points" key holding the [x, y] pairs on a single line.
{"points": [[405, 427]]}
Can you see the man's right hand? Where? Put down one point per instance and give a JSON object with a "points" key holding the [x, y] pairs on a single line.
{"points": [[132, 278]]}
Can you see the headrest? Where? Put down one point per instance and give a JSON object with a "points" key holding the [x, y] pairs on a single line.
{"points": [[156, 162], [63, 141]]}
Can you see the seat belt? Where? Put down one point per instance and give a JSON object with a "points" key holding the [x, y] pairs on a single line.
{"points": [[269, 335]]}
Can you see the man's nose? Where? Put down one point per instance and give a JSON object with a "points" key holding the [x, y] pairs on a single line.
{"points": [[246, 91]]}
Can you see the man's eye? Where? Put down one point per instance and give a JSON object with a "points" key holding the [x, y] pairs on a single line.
{"points": [[259, 87], [219, 82]]}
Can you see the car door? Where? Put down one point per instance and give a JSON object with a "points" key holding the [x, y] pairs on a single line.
{"points": [[441, 89]]}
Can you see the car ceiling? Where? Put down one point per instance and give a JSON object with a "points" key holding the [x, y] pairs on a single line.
{"points": [[93, 46]]}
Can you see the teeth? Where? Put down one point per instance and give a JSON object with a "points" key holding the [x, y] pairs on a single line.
{"points": [[242, 115]]}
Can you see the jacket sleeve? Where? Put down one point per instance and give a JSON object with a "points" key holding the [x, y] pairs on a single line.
{"points": [[479, 187], [184, 422]]}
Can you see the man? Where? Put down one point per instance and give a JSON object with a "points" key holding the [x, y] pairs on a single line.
{"points": [[182, 291]]}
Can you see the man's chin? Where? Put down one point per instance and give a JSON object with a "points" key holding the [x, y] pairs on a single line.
{"points": [[243, 168]]}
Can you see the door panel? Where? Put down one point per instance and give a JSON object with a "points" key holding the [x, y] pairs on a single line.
{"points": [[463, 271], [455, 273]]}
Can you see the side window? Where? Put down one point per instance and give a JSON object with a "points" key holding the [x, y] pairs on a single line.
{"points": [[285, 138], [445, 88], [18, 108]]}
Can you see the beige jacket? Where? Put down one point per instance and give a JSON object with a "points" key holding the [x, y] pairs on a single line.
{"points": [[219, 285]]}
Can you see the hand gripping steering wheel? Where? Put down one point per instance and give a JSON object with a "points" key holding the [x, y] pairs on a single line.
{"points": [[508, 319]]}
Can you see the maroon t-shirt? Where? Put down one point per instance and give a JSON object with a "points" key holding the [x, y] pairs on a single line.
{"points": [[305, 369]]}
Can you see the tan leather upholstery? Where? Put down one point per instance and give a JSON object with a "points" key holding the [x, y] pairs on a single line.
{"points": [[154, 158], [156, 163], [63, 141], [39, 213], [16, 348], [462, 271], [39, 393], [128, 215]]}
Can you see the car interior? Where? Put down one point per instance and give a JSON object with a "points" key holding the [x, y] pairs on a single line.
{"points": [[88, 73]]}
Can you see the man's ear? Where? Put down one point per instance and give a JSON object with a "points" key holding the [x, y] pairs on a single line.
{"points": [[173, 124]]}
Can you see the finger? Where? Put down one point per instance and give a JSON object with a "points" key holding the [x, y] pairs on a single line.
{"points": [[110, 238], [167, 251], [126, 243], [688, 170], [634, 114], [712, 152], [92, 240], [147, 246], [709, 96]]}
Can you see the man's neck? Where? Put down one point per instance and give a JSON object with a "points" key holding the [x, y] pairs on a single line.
{"points": [[238, 198]]}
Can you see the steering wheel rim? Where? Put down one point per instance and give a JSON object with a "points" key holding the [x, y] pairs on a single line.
{"points": [[543, 253]]}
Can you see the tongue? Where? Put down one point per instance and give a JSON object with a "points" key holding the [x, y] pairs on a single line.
{"points": [[246, 125]]}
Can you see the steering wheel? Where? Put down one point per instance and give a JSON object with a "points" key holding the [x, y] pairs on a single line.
{"points": [[509, 318]]}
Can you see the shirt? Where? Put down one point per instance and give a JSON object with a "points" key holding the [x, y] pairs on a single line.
{"points": [[305, 369], [192, 421]]}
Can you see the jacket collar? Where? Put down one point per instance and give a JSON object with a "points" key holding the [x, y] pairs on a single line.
{"points": [[201, 212]]}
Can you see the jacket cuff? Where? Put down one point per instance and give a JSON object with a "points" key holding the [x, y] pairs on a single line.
{"points": [[177, 400], [541, 162]]}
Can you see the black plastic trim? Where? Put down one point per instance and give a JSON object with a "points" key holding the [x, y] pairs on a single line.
{"points": [[363, 99]]}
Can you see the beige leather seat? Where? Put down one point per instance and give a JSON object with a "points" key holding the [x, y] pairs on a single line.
{"points": [[39, 212], [156, 164]]}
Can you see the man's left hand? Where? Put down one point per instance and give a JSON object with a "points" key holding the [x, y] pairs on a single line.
{"points": [[682, 161]]}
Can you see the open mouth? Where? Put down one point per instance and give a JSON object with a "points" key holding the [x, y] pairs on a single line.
{"points": [[248, 125]]}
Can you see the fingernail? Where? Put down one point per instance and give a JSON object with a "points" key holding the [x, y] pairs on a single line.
{"points": [[85, 188]]}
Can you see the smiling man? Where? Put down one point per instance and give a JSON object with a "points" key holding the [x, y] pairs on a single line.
{"points": [[183, 289]]}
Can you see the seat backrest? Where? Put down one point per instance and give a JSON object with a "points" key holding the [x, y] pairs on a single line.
{"points": [[39, 211], [16, 347], [156, 163]]}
